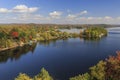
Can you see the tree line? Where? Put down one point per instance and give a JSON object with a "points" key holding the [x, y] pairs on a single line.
{"points": [[14, 35]]}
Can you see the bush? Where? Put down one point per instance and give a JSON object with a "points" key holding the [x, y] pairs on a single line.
{"points": [[23, 77], [85, 76], [43, 75], [97, 72]]}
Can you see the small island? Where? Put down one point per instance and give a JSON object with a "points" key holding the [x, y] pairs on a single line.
{"points": [[93, 32]]}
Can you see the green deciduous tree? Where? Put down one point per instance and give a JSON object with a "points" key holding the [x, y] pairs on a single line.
{"points": [[85, 76], [97, 72], [43, 75], [23, 77]]}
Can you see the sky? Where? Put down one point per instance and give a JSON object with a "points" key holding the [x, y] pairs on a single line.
{"points": [[60, 11]]}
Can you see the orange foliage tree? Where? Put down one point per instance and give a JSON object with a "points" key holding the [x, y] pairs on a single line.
{"points": [[113, 67]]}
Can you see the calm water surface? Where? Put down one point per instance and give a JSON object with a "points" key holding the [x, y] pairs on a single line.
{"points": [[62, 58]]}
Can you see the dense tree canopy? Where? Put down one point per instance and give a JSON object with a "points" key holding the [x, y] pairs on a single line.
{"points": [[94, 32], [104, 70], [43, 75], [15, 35]]}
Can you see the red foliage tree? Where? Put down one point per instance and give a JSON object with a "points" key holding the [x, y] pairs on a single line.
{"points": [[15, 34], [113, 67]]}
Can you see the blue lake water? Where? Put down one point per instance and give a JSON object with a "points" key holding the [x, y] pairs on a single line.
{"points": [[61, 58]]}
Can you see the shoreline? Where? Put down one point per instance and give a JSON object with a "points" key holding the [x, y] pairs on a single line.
{"points": [[22, 44], [13, 47], [8, 48]]}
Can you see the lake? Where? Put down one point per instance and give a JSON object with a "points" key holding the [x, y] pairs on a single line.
{"points": [[61, 58]]}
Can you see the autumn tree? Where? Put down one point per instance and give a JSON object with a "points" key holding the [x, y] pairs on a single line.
{"points": [[43, 75], [113, 67], [23, 77]]}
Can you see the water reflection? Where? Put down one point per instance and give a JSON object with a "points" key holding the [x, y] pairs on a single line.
{"points": [[15, 54], [54, 44], [91, 39]]}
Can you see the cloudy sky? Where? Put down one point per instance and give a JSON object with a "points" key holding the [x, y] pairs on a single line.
{"points": [[60, 11]]}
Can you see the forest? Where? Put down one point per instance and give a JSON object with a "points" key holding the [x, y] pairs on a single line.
{"points": [[94, 32], [14, 35], [18, 35]]}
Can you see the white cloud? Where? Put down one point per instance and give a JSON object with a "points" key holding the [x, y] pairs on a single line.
{"points": [[83, 12], [99, 18], [108, 18], [33, 9], [19, 9], [3, 10], [90, 18], [55, 14], [24, 8], [72, 16], [37, 18], [118, 18], [27, 16]]}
